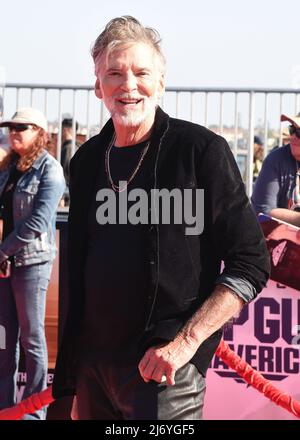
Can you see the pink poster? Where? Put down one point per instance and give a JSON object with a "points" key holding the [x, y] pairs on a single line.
{"points": [[267, 336]]}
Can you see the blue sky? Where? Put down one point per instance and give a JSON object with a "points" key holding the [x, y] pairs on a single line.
{"points": [[218, 43]]}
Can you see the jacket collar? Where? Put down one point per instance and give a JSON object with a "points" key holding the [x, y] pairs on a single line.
{"points": [[94, 155], [36, 164], [160, 124]]}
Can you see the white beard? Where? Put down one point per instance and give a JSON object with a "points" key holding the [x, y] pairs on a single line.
{"points": [[132, 117]]}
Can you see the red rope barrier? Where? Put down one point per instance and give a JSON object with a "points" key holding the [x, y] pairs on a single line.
{"points": [[28, 406], [251, 376], [256, 380]]}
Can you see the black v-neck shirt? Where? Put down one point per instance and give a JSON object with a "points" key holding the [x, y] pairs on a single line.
{"points": [[116, 272]]}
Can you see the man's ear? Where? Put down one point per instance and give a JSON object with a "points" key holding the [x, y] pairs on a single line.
{"points": [[98, 89]]}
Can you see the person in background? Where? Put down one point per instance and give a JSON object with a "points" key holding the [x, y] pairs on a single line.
{"points": [[285, 135], [31, 186], [276, 191], [4, 150], [67, 137], [4, 145], [147, 300], [258, 155]]}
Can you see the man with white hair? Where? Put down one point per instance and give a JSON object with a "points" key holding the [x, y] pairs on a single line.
{"points": [[147, 300]]}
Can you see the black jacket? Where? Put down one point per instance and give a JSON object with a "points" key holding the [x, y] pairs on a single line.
{"points": [[184, 268]]}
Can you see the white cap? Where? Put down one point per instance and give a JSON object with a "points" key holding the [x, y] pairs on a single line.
{"points": [[27, 115], [294, 120]]}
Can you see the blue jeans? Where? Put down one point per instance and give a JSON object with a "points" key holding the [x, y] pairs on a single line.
{"points": [[22, 315]]}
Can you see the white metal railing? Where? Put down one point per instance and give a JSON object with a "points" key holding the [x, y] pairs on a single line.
{"points": [[235, 113]]}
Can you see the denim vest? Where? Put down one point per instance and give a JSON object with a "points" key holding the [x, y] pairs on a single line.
{"points": [[35, 201]]}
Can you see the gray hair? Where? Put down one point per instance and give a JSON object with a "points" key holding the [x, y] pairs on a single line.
{"points": [[127, 29]]}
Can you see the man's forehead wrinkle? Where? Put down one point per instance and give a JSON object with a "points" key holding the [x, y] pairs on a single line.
{"points": [[121, 66]]}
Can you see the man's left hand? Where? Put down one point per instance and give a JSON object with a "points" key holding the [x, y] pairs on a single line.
{"points": [[161, 363]]}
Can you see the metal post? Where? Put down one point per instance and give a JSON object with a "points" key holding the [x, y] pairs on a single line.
{"points": [[101, 115], [46, 103], [88, 125], [236, 128], [73, 124], [297, 109], [58, 149], [249, 181], [205, 109], [177, 104], [17, 98], [221, 114], [192, 106], [3, 97], [280, 112], [31, 97], [266, 126]]}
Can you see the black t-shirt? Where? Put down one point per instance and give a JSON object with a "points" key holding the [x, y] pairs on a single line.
{"points": [[116, 272], [6, 202]]}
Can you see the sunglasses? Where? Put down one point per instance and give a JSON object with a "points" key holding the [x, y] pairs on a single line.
{"points": [[294, 130], [19, 127]]}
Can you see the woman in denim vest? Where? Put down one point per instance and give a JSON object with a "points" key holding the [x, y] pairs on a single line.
{"points": [[31, 186]]}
